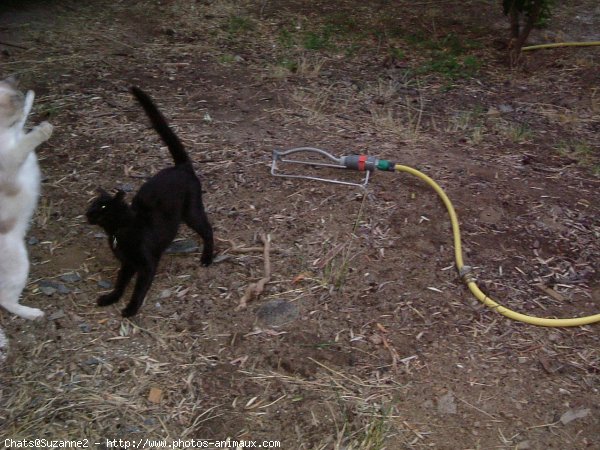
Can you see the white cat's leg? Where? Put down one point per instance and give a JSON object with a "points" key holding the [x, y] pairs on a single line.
{"points": [[14, 268], [3, 346], [31, 140], [39, 134]]}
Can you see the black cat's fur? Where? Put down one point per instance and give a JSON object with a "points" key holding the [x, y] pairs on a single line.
{"points": [[139, 234]]}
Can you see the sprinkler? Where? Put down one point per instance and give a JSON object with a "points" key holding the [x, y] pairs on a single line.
{"points": [[360, 163], [368, 164]]}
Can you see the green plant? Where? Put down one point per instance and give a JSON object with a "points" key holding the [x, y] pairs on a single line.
{"points": [[317, 40], [352, 49], [286, 38], [519, 133], [372, 433], [450, 66], [336, 28], [342, 23], [289, 64], [396, 53], [582, 152], [447, 55], [226, 59], [49, 110], [237, 25]]}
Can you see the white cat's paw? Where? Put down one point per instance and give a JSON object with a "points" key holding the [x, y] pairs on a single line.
{"points": [[46, 129], [32, 314]]}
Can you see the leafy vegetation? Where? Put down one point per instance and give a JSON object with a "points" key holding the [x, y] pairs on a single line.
{"points": [[447, 56], [239, 25], [582, 152]]}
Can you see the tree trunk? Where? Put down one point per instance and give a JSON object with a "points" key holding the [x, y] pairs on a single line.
{"points": [[519, 36], [514, 23]]}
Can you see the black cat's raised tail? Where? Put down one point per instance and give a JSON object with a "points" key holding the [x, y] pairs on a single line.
{"points": [[159, 123]]}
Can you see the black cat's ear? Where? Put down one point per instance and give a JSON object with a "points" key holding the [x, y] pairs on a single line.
{"points": [[120, 195]]}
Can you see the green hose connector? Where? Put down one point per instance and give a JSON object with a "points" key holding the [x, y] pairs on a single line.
{"points": [[384, 164]]}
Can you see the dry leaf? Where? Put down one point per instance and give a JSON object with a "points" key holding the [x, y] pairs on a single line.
{"points": [[155, 395]]}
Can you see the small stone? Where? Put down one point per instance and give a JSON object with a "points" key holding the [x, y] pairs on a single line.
{"points": [[506, 108], [33, 240], [427, 404], [184, 246], [70, 277], [493, 112], [85, 327], [93, 361], [376, 339], [62, 289], [57, 315], [574, 414], [220, 258], [554, 337], [105, 284], [127, 187], [48, 290], [446, 404], [277, 312], [48, 287]]}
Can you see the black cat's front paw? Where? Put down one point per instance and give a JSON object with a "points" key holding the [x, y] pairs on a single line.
{"points": [[107, 299], [129, 311], [206, 260]]}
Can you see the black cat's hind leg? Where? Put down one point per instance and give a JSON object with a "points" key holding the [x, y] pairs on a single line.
{"points": [[125, 274], [142, 285], [196, 219]]}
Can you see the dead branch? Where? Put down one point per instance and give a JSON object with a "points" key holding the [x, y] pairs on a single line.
{"points": [[234, 248], [255, 289], [8, 44]]}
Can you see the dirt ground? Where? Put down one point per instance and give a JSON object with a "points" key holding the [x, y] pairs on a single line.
{"points": [[382, 346]]}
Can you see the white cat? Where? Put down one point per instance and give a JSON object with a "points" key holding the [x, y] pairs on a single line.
{"points": [[19, 191]]}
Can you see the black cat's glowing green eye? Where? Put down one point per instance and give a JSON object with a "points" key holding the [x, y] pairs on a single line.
{"points": [[103, 206]]}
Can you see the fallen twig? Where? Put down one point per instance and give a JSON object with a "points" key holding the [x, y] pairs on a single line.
{"points": [[240, 249], [8, 44], [255, 289]]}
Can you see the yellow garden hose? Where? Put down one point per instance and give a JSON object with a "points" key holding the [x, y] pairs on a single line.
{"points": [[368, 164], [464, 271], [561, 44]]}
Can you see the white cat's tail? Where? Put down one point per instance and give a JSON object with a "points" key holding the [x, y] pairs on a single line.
{"points": [[23, 311]]}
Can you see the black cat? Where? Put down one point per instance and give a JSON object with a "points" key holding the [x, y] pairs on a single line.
{"points": [[139, 234]]}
